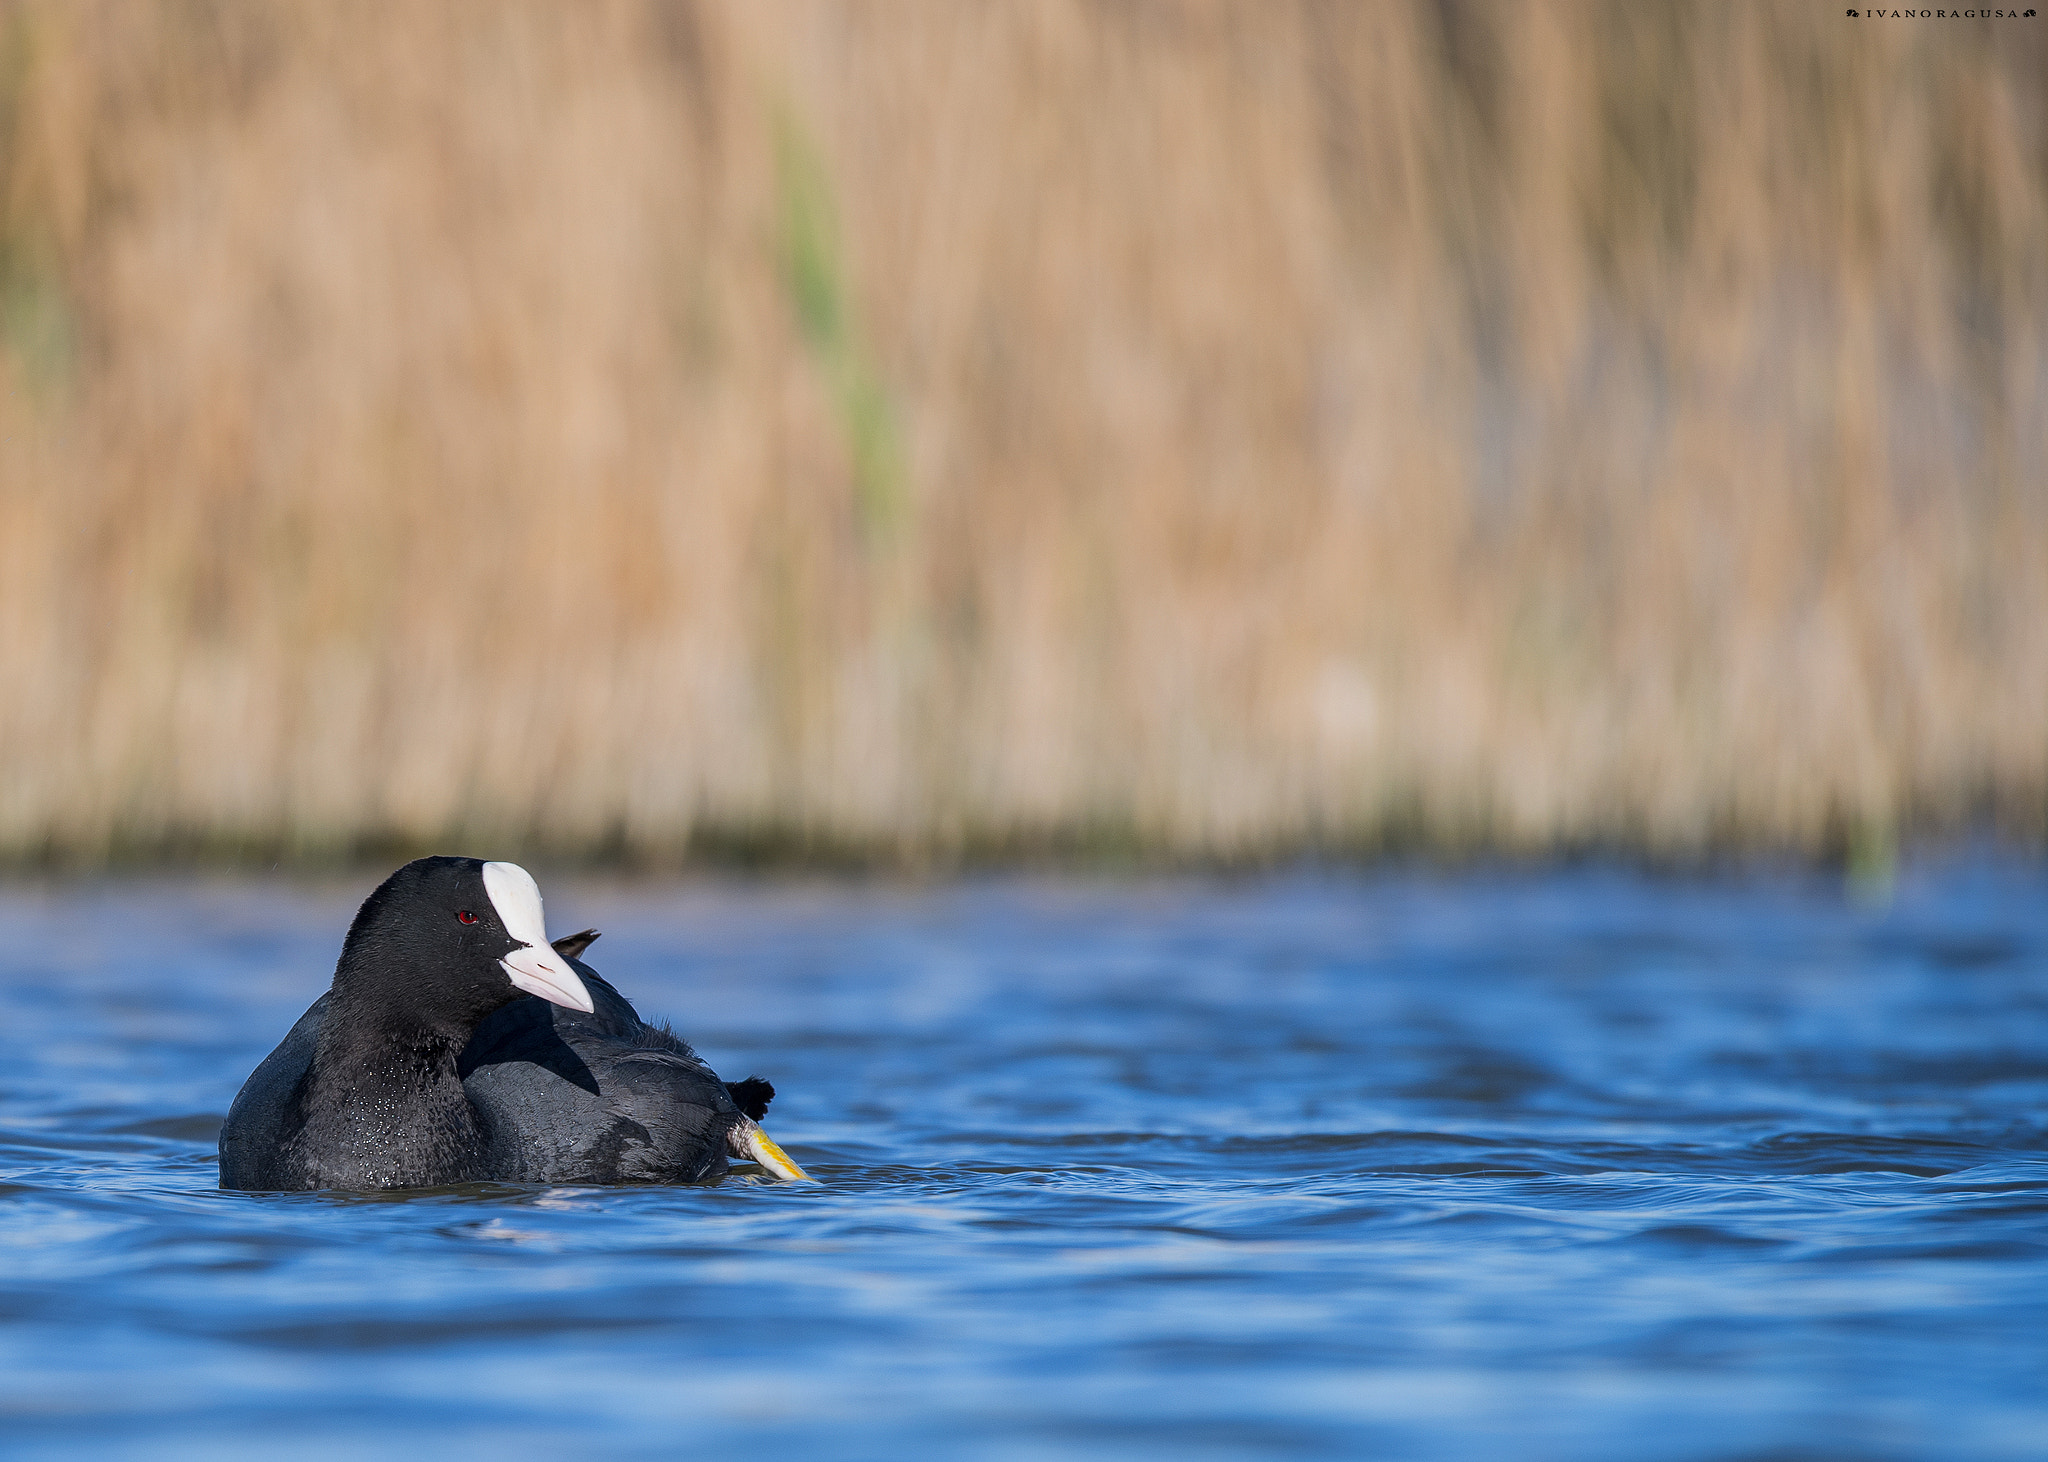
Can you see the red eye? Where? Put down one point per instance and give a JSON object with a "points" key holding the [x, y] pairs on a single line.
{"points": [[465, 916]]}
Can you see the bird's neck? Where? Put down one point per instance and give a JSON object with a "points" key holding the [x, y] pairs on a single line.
{"points": [[384, 1106]]}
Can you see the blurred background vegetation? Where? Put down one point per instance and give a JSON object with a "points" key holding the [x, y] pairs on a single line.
{"points": [[920, 430]]}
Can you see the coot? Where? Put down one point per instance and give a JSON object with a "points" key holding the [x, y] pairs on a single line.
{"points": [[425, 1064]]}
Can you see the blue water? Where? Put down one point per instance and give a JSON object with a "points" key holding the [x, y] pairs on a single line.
{"points": [[1572, 1164]]}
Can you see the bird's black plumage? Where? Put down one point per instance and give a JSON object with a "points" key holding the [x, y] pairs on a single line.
{"points": [[424, 1065], [600, 1098]]}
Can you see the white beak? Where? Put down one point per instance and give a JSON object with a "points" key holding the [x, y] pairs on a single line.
{"points": [[535, 968], [544, 973]]}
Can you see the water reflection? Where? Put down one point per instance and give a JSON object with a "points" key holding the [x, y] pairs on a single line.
{"points": [[1573, 1164]]}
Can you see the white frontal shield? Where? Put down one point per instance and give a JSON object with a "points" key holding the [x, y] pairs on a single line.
{"points": [[534, 967]]}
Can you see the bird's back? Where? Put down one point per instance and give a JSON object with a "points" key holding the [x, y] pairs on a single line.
{"points": [[566, 1097], [266, 1114]]}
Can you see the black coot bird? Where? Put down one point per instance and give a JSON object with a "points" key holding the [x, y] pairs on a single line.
{"points": [[424, 1065]]}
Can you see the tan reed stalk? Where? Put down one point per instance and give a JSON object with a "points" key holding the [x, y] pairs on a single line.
{"points": [[1202, 429]]}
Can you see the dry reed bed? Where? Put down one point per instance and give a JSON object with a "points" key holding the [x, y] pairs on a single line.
{"points": [[912, 427]]}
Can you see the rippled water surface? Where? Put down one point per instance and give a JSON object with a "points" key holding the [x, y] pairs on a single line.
{"points": [[1565, 1165]]}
